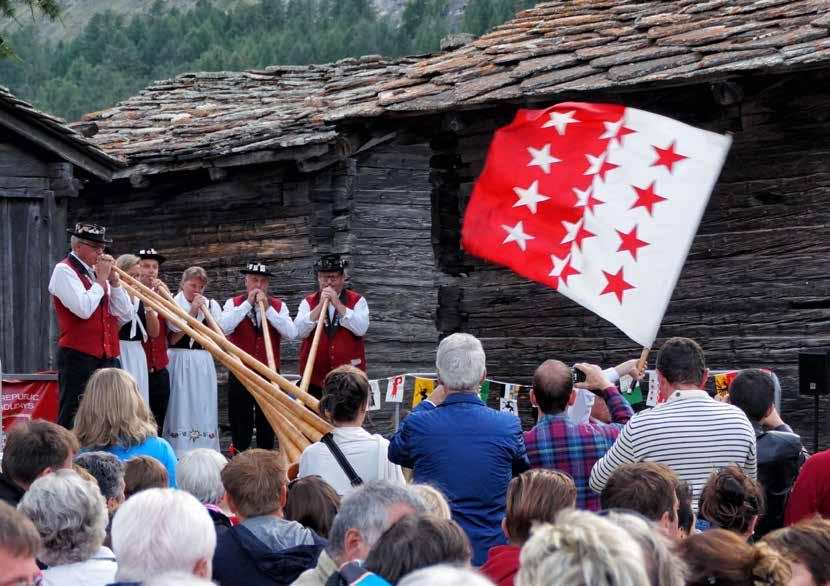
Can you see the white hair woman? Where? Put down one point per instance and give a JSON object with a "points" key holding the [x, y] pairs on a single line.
{"points": [[192, 414], [444, 575], [71, 516], [199, 472], [581, 549], [162, 530], [138, 329], [114, 418]]}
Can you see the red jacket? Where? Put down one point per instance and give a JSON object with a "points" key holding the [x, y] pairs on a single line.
{"points": [[247, 337], [96, 336], [502, 564], [156, 348], [344, 348]]}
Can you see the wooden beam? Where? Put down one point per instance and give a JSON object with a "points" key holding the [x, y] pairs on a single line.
{"points": [[61, 148]]}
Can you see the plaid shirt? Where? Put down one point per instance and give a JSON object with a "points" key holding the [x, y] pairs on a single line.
{"points": [[558, 443]]}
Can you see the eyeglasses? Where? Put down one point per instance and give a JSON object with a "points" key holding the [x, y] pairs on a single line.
{"points": [[91, 245]]}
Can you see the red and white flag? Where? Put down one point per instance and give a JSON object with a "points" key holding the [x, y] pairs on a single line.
{"points": [[598, 201]]}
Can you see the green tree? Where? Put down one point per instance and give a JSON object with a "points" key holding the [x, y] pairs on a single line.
{"points": [[46, 8]]}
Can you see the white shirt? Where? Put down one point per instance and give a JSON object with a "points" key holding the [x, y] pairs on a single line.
{"points": [[67, 286], [355, 320], [98, 570], [366, 453], [215, 311], [232, 315]]}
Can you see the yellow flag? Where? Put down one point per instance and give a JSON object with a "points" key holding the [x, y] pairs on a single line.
{"points": [[423, 389]]}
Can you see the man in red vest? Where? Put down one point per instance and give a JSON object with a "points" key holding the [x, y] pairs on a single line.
{"points": [[90, 303], [346, 322], [156, 348], [241, 321]]}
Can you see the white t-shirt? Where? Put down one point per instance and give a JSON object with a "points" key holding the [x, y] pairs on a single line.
{"points": [[366, 453], [98, 570]]}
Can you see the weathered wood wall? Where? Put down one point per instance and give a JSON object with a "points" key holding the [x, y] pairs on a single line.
{"points": [[756, 286], [33, 190]]}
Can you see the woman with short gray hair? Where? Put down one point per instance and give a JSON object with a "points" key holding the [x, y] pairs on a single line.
{"points": [[71, 516], [200, 473]]}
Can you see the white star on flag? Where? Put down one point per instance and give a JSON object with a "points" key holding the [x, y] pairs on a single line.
{"points": [[542, 158], [560, 121], [572, 229], [529, 197], [517, 234], [612, 130], [584, 198], [596, 163], [558, 264]]}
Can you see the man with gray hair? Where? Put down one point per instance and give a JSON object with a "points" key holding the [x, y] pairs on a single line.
{"points": [[364, 515], [162, 530], [90, 304], [456, 443]]}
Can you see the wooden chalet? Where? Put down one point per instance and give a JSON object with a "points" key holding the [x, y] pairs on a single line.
{"points": [[43, 165], [376, 159]]}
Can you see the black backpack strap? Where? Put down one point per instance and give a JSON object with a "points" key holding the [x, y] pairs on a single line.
{"points": [[351, 473]]}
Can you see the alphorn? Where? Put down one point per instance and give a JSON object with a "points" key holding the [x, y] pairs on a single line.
{"points": [[309, 365], [269, 397], [266, 334], [269, 374]]}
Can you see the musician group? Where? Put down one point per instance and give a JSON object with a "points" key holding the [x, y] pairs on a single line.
{"points": [[101, 325]]}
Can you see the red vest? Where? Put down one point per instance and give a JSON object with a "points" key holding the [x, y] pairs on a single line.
{"points": [[343, 349], [247, 337], [96, 336], [156, 348]]}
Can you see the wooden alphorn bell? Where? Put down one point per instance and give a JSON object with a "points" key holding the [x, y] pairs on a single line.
{"points": [[315, 343]]}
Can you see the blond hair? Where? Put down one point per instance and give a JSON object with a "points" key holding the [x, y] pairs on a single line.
{"points": [[434, 500], [127, 261], [194, 273], [112, 412]]}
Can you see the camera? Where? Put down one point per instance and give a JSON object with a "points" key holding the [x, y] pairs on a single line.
{"points": [[577, 375]]}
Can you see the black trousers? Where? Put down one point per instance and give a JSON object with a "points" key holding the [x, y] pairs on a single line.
{"points": [[159, 394], [243, 412], [74, 370]]}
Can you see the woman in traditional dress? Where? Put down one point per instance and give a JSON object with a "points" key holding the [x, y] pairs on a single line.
{"points": [[192, 420], [143, 324]]}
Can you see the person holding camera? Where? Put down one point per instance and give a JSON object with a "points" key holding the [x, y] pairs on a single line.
{"points": [[559, 443]]}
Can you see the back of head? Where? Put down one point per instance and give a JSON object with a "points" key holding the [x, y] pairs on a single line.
{"points": [[434, 500], [685, 510], [581, 549], [178, 579], [681, 362], [369, 510], [663, 566], [199, 472], [112, 411], [417, 542], [313, 503], [731, 500], [346, 393], [722, 557], [536, 496], [34, 446], [552, 386], [161, 530], [460, 362], [753, 392], [254, 481], [807, 543], [18, 536], [106, 468], [445, 575], [70, 514], [648, 488], [143, 472]]}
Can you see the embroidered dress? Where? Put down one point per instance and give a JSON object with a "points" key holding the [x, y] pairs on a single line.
{"points": [[192, 419]]}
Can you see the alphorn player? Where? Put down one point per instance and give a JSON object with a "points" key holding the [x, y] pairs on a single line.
{"points": [[241, 321], [346, 323], [89, 302], [155, 348], [192, 419]]}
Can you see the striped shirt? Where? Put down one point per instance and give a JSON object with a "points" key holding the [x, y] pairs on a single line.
{"points": [[691, 433]]}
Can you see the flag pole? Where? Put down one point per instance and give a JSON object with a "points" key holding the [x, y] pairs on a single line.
{"points": [[641, 363]]}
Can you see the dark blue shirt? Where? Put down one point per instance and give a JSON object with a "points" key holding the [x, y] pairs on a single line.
{"points": [[469, 452]]}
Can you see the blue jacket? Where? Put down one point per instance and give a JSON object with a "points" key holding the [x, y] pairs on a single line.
{"points": [[469, 452]]}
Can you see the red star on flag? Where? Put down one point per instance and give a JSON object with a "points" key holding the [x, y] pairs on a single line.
{"points": [[615, 132], [616, 284], [599, 166], [586, 199], [630, 242], [667, 157], [646, 198]]}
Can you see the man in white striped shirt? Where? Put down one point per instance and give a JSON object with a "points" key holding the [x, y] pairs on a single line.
{"points": [[691, 432]]}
